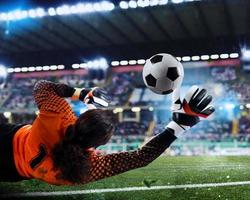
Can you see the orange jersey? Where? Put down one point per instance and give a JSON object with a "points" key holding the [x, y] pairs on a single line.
{"points": [[33, 144]]}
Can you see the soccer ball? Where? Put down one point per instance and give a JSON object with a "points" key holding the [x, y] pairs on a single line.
{"points": [[162, 73]]}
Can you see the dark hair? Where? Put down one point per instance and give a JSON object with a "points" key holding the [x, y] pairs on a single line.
{"points": [[71, 156]]}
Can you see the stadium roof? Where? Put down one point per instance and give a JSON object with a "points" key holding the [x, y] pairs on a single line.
{"points": [[189, 28]]}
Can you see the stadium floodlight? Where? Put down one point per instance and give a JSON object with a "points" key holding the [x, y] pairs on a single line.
{"points": [[7, 114], [115, 63], [3, 16], [24, 69], [195, 58], [96, 64], [10, 16], [53, 67], [234, 55], [117, 110], [163, 2], [83, 65], [89, 7], [186, 58], [39, 68], [141, 61], [151, 108], [248, 105], [97, 7], [90, 64], [132, 62], [242, 107], [17, 14], [224, 56], [214, 56], [123, 5], [3, 71], [245, 54], [40, 12], [218, 89], [24, 14], [17, 69], [80, 8], [205, 57], [132, 4], [75, 66], [60, 66], [51, 11], [135, 109], [107, 6], [177, 1], [103, 63], [61, 11], [32, 13], [31, 69], [10, 70], [45, 68], [229, 106], [143, 3], [154, 2], [73, 9], [123, 62]]}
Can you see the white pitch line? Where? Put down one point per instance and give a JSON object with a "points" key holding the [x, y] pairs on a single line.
{"points": [[127, 189]]}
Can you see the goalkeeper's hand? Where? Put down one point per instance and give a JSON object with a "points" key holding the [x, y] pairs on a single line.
{"points": [[187, 113], [94, 96]]}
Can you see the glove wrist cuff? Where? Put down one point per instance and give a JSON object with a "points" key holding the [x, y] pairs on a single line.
{"points": [[185, 119], [84, 94], [76, 95], [176, 128]]}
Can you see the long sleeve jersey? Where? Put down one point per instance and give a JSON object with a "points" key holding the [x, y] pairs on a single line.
{"points": [[33, 143]]}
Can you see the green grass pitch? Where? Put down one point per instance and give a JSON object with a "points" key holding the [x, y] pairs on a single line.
{"points": [[163, 171]]}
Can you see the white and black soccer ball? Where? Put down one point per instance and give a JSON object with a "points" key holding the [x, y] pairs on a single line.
{"points": [[162, 73]]}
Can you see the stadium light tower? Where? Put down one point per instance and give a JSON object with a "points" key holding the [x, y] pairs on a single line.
{"points": [[245, 54], [3, 75]]}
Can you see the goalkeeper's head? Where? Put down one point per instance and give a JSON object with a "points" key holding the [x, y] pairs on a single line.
{"points": [[92, 129]]}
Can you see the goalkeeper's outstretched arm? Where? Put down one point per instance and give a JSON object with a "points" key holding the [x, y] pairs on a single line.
{"points": [[187, 114], [113, 164]]}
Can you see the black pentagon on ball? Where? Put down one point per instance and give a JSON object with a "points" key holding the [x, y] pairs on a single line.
{"points": [[172, 73], [156, 59], [151, 81], [167, 92]]}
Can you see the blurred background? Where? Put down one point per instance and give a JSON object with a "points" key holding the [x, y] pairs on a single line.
{"points": [[106, 43]]}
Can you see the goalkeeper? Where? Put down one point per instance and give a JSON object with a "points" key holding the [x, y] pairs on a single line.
{"points": [[59, 148]]}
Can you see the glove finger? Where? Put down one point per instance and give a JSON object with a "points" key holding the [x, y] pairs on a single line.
{"points": [[205, 102], [197, 99], [191, 93], [208, 111], [100, 101]]}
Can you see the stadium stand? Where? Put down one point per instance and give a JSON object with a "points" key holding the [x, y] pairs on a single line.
{"points": [[127, 90]]}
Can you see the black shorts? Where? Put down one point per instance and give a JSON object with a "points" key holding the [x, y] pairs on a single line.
{"points": [[8, 170]]}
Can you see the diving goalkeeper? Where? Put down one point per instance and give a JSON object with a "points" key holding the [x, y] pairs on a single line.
{"points": [[59, 148]]}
